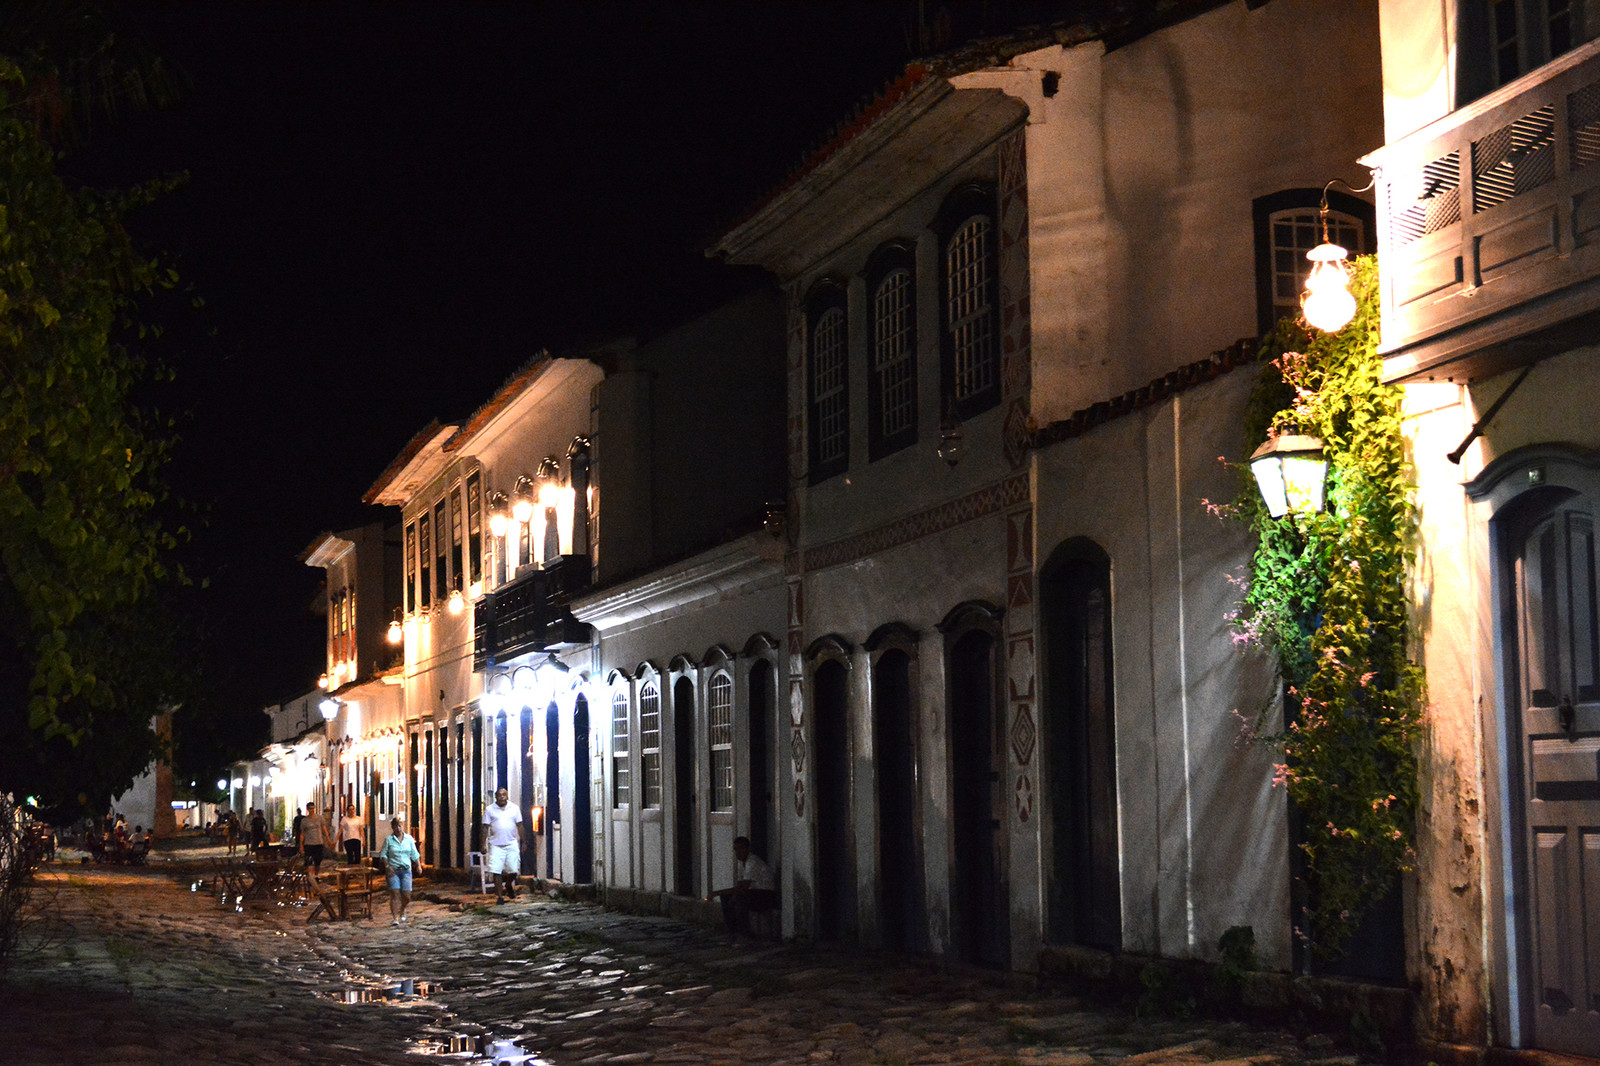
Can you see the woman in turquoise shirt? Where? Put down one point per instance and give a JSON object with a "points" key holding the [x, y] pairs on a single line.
{"points": [[400, 855]]}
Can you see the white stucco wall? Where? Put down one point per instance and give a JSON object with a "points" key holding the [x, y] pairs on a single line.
{"points": [[1204, 833]]}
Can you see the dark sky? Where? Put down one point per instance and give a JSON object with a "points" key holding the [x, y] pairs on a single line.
{"points": [[390, 206]]}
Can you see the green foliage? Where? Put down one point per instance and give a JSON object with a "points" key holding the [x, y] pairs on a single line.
{"points": [[83, 554], [1329, 594]]}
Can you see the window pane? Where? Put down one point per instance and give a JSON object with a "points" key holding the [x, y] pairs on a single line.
{"points": [[619, 750], [411, 567], [970, 318], [475, 528], [829, 367], [441, 556], [892, 357], [650, 743], [721, 711], [458, 572]]}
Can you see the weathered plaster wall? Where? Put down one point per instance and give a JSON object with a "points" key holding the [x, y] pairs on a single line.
{"points": [[1204, 835], [1145, 171], [1460, 907]]}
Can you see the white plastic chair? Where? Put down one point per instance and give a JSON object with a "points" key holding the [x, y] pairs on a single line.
{"points": [[476, 867]]}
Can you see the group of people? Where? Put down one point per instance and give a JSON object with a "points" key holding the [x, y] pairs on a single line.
{"points": [[754, 889]]}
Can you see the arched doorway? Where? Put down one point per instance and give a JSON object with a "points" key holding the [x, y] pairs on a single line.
{"points": [[582, 799], [683, 800], [763, 807], [525, 797], [1084, 897], [979, 905], [1548, 608], [552, 791], [900, 913], [835, 869]]}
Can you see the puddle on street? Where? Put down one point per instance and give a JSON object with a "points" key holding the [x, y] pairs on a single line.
{"points": [[407, 991], [477, 1050]]}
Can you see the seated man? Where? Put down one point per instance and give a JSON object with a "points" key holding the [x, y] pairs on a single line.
{"points": [[754, 890]]}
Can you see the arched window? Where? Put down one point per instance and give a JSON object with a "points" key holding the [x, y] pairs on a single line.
{"points": [[970, 345], [829, 372], [892, 386], [620, 750], [650, 743], [720, 708]]}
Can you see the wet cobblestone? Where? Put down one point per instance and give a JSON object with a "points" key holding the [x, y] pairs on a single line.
{"points": [[137, 968]]}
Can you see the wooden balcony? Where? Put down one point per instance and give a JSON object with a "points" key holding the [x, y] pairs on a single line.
{"points": [[530, 614], [1489, 228]]}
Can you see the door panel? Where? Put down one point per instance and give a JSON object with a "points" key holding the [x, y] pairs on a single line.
{"points": [[1560, 762]]}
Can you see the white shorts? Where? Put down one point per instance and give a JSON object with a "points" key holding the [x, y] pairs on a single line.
{"points": [[503, 859]]}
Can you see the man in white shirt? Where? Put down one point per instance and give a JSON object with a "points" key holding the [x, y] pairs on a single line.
{"points": [[504, 821], [754, 890]]}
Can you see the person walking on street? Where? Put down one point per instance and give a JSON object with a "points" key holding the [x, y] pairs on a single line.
{"points": [[313, 838], [350, 827], [399, 853], [504, 821]]}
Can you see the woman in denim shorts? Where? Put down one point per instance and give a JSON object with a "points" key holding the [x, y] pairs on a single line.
{"points": [[400, 855]]}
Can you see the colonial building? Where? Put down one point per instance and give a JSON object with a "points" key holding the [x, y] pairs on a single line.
{"points": [[1011, 683], [495, 527], [362, 707], [1490, 270]]}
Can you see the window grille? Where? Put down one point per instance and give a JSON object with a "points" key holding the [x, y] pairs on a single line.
{"points": [[619, 749], [721, 708], [650, 743], [1294, 233], [969, 314], [829, 367], [892, 354]]}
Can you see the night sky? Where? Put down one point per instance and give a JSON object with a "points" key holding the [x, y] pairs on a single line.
{"points": [[391, 206]]}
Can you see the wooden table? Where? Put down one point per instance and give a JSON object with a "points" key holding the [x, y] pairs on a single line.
{"points": [[355, 885]]}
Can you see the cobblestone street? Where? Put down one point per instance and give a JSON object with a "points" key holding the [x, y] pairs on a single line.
{"points": [[140, 968]]}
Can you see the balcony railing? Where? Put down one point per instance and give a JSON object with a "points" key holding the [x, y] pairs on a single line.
{"points": [[530, 614], [1489, 225]]}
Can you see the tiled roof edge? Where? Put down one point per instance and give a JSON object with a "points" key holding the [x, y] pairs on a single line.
{"points": [[1239, 353]]}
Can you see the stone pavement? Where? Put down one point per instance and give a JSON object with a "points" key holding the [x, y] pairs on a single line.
{"points": [[139, 969]]}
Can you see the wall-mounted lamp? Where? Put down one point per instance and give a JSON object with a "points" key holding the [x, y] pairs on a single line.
{"points": [[950, 434], [397, 632], [457, 602], [522, 494], [1327, 303], [324, 682], [329, 709], [499, 513], [1291, 471]]}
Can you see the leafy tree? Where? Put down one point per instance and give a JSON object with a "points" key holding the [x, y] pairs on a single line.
{"points": [[83, 553]]}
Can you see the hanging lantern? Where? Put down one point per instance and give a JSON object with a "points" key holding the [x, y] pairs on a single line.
{"points": [[1327, 303]]}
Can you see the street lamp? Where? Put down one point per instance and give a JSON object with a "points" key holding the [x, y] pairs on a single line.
{"points": [[397, 632], [329, 709], [1291, 471]]}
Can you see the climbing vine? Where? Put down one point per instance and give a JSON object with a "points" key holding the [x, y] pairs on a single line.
{"points": [[1328, 593]]}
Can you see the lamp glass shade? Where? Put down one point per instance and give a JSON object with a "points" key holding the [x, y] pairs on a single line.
{"points": [[397, 633], [329, 709], [497, 523], [1327, 303], [522, 508], [457, 602], [1291, 473]]}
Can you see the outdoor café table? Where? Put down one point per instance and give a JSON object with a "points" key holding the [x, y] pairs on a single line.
{"points": [[355, 884], [261, 875]]}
